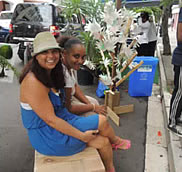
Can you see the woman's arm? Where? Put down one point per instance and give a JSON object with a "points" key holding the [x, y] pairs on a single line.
{"points": [[82, 108], [35, 94], [179, 32], [77, 109], [80, 95]]}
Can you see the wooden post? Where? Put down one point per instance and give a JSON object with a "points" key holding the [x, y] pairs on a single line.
{"points": [[128, 74], [128, 62], [112, 101]]}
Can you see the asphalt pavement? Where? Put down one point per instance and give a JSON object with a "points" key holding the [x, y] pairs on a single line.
{"points": [[16, 153]]}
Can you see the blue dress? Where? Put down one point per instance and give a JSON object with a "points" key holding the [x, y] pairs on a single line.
{"points": [[49, 141]]}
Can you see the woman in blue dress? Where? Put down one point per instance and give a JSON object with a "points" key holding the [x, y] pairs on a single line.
{"points": [[52, 130]]}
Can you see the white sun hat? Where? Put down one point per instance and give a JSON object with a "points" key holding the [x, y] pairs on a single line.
{"points": [[44, 41]]}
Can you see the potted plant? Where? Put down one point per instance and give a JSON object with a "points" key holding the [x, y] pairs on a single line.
{"points": [[91, 67], [6, 53]]}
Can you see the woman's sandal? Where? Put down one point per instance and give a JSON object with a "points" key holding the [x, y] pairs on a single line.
{"points": [[112, 170], [117, 146]]}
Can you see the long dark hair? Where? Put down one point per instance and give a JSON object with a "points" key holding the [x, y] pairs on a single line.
{"points": [[55, 80]]}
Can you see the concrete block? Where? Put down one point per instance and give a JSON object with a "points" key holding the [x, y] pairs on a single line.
{"points": [[155, 117], [156, 159], [175, 153], [167, 98], [155, 98], [156, 136]]}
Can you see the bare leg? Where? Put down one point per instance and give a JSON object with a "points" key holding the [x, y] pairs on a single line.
{"points": [[105, 150], [106, 130]]}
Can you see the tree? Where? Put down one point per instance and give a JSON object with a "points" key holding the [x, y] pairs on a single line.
{"points": [[118, 4], [165, 35], [166, 4]]}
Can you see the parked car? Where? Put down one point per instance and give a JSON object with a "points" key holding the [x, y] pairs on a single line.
{"points": [[5, 18], [4, 34], [31, 18]]}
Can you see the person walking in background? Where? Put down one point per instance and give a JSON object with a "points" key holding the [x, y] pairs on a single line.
{"points": [[152, 38], [73, 56], [51, 128], [176, 99], [143, 40]]}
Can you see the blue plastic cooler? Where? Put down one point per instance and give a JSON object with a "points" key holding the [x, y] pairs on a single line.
{"points": [[141, 80]]}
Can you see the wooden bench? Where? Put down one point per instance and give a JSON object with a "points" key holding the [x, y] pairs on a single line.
{"points": [[86, 161]]}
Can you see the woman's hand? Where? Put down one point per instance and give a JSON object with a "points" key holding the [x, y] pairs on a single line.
{"points": [[89, 135], [101, 109]]}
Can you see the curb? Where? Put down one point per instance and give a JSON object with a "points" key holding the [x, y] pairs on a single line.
{"points": [[173, 142]]}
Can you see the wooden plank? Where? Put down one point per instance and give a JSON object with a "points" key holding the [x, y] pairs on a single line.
{"points": [[112, 99], [128, 62], [86, 161], [116, 98], [129, 73], [106, 98], [123, 109], [113, 115]]}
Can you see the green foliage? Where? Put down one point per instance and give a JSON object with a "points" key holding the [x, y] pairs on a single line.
{"points": [[79, 8], [96, 8], [166, 3], [156, 11], [83, 8], [144, 9], [90, 45], [6, 51], [4, 63]]}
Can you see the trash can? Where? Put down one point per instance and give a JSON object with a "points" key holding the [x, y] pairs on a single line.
{"points": [[141, 80]]}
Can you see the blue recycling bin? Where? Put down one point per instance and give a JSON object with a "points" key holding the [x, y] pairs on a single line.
{"points": [[141, 80]]}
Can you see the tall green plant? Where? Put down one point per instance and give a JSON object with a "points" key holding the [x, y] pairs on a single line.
{"points": [[79, 8], [90, 45], [96, 9], [5, 63]]}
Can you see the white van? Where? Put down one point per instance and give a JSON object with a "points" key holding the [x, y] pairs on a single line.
{"points": [[5, 18]]}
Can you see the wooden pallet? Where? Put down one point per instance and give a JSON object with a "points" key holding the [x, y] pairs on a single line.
{"points": [[86, 161]]}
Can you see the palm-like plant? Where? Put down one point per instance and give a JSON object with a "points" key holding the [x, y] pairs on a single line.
{"points": [[79, 8], [4, 63], [6, 53]]}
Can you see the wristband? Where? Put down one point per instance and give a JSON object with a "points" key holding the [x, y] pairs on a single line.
{"points": [[93, 107]]}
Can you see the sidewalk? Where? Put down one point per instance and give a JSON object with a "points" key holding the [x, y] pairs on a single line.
{"points": [[174, 143], [156, 156]]}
